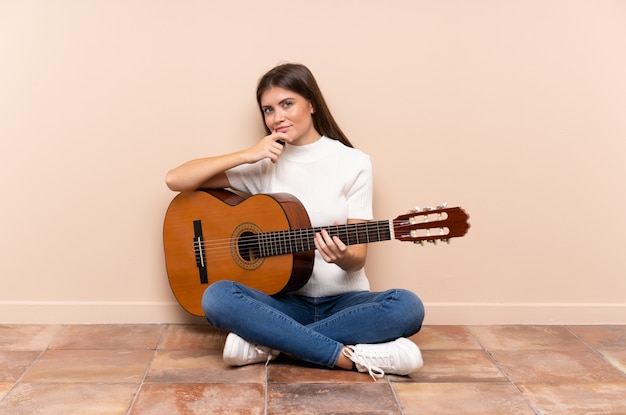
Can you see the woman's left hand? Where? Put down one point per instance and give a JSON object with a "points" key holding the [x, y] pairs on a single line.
{"points": [[334, 251], [331, 248]]}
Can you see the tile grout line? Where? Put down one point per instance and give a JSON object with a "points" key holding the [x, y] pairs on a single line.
{"points": [[501, 369], [265, 388], [145, 375], [395, 396], [594, 350], [19, 379]]}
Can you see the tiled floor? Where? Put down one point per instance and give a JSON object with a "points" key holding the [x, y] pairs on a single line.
{"points": [[177, 369]]}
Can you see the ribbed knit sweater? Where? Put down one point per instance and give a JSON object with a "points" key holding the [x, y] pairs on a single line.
{"points": [[333, 182]]}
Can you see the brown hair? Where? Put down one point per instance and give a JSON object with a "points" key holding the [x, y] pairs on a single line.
{"points": [[299, 79]]}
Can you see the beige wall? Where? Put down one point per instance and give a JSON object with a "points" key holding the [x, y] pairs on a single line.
{"points": [[515, 110]]}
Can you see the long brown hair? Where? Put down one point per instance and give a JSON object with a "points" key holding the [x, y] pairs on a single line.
{"points": [[299, 79]]}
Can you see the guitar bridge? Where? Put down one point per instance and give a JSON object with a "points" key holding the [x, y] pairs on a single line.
{"points": [[198, 247]]}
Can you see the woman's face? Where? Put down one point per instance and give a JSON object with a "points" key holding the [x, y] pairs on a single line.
{"points": [[288, 112]]}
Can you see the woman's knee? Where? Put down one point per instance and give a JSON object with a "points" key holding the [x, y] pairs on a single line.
{"points": [[412, 309], [215, 290], [215, 298]]}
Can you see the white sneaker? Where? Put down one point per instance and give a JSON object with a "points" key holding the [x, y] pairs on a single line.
{"points": [[239, 352], [399, 357]]}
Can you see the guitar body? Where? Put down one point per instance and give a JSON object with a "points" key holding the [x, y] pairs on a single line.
{"points": [[205, 238]]}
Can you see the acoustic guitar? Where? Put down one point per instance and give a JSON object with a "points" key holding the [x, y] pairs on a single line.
{"points": [[265, 241]]}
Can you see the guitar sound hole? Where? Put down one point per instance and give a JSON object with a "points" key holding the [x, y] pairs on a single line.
{"points": [[247, 247], [244, 246]]}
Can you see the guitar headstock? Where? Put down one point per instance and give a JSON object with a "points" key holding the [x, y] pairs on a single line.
{"points": [[431, 224]]}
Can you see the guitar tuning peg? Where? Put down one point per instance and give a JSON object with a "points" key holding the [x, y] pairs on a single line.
{"points": [[446, 240], [419, 242], [428, 209], [443, 206], [415, 209], [433, 241]]}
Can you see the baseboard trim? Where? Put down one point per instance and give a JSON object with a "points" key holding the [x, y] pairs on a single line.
{"points": [[94, 312], [525, 313], [449, 313]]}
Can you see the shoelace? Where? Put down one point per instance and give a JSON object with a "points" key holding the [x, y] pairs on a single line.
{"points": [[374, 371], [261, 351]]}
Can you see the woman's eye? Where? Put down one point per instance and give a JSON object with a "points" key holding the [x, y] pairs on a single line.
{"points": [[287, 104], [267, 110]]}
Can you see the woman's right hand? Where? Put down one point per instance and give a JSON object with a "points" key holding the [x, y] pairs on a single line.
{"points": [[270, 147]]}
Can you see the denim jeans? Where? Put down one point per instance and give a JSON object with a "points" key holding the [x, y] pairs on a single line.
{"points": [[312, 329]]}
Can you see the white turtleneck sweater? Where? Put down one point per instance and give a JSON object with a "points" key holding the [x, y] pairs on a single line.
{"points": [[333, 182]]}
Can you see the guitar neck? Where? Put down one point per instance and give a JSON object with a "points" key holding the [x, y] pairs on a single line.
{"points": [[300, 240]]}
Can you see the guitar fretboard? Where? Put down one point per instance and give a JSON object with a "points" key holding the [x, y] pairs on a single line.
{"points": [[300, 240]]}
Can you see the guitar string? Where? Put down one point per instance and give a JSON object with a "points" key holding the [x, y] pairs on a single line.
{"points": [[308, 232], [277, 240], [351, 230], [287, 238]]}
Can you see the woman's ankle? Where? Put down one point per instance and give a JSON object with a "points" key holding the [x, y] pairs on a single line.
{"points": [[344, 362]]}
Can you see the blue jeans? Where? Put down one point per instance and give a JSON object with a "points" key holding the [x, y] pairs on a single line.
{"points": [[312, 329]]}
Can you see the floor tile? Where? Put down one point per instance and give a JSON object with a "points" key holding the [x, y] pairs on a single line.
{"points": [[456, 366], [200, 366], [196, 399], [68, 399], [577, 399], [445, 338], [108, 366], [461, 399], [108, 337], [331, 398], [605, 337], [551, 366], [193, 336], [27, 337], [301, 373], [526, 338], [13, 364]]}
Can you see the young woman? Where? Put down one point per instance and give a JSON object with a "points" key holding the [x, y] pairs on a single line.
{"points": [[334, 320]]}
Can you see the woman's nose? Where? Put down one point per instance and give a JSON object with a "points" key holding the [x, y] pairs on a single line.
{"points": [[279, 115]]}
